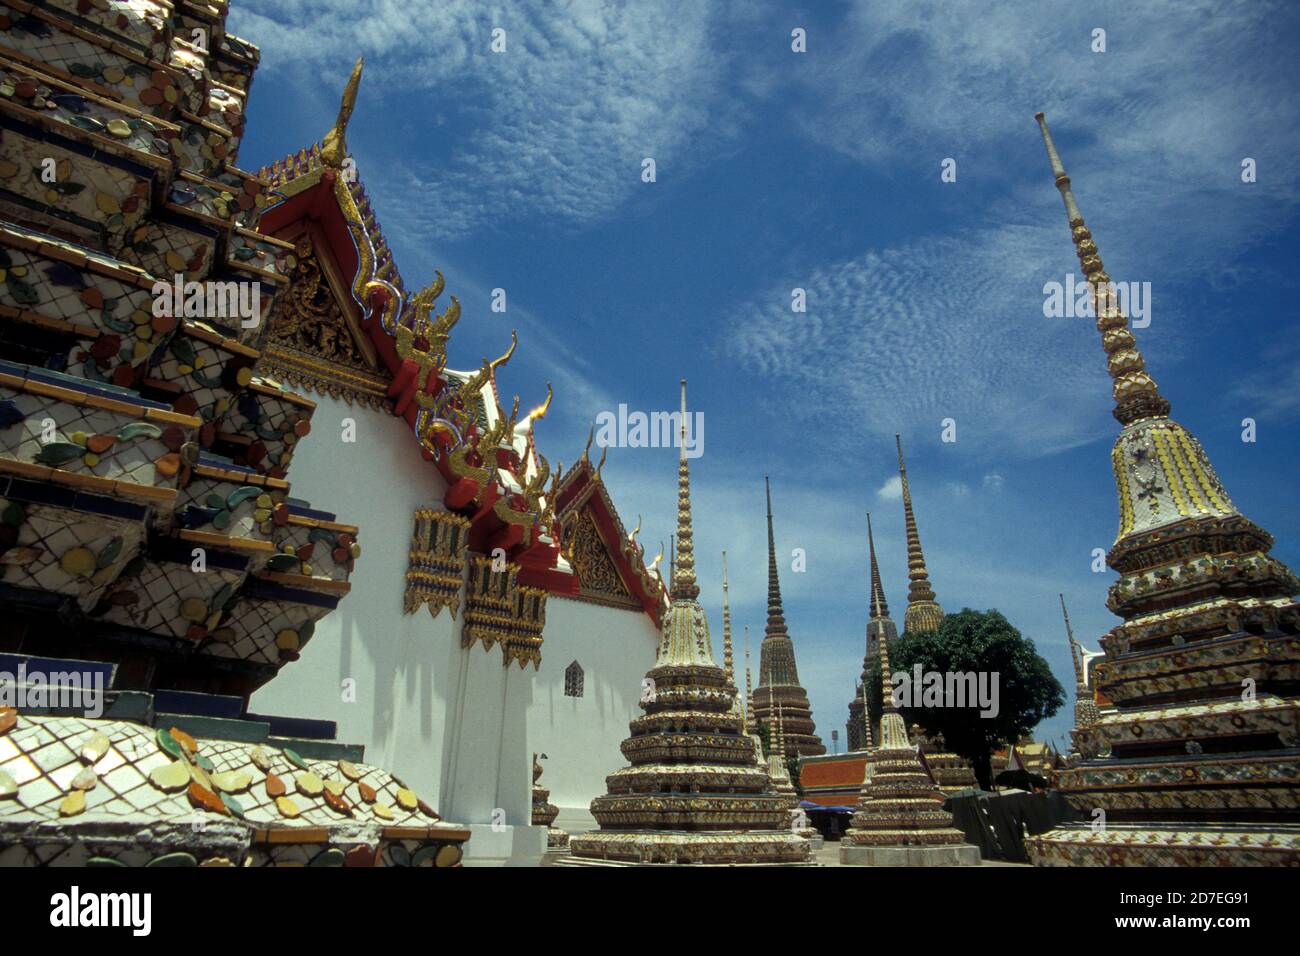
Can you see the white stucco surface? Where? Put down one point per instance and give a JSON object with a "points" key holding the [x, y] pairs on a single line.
{"points": [[404, 667], [581, 735]]}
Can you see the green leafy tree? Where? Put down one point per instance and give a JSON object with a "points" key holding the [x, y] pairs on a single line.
{"points": [[979, 642]]}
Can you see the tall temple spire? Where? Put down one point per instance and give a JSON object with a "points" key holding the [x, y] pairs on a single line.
{"points": [[778, 672], [775, 612], [684, 585], [685, 638], [879, 606], [866, 719], [923, 613], [749, 688], [727, 662], [780, 734], [716, 803], [1085, 708], [879, 627], [1188, 607], [1135, 392]]}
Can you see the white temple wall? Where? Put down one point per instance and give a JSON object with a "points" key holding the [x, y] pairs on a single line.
{"points": [[405, 668], [581, 735]]}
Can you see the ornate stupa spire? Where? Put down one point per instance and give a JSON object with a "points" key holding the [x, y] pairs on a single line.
{"points": [[879, 627], [778, 673], [695, 791], [923, 613], [727, 662], [334, 147], [749, 688], [684, 585], [1135, 392], [1206, 610], [1085, 708], [775, 612], [866, 720]]}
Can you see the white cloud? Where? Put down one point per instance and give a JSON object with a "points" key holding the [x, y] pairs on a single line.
{"points": [[993, 481], [891, 490]]}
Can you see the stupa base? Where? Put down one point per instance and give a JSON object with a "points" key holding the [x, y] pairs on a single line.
{"points": [[1154, 845], [961, 854], [724, 848]]}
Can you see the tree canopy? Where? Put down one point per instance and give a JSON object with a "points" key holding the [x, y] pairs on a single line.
{"points": [[986, 644]]}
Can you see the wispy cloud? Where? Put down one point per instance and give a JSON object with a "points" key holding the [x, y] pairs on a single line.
{"points": [[555, 127], [909, 336]]}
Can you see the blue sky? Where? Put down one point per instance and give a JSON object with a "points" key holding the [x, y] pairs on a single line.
{"points": [[775, 170]]}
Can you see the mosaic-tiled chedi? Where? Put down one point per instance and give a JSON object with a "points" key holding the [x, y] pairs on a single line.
{"points": [[778, 674], [695, 792], [1199, 761], [147, 530], [899, 806]]}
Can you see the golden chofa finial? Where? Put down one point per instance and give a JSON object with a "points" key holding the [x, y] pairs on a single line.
{"points": [[497, 363], [334, 147], [586, 449], [1134, 390], [540, 411]]}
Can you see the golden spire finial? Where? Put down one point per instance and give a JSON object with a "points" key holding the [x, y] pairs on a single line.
{"points": [[684, 584], [334, 147], [586, 449], [635, 531], [923, 613], [1134, 390]]}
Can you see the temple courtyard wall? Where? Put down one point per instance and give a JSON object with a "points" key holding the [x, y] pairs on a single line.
{"points": [[581, 735], [453, 723]]}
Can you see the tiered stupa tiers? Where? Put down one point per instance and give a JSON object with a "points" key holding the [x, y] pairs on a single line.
{"points": [[695, 791], [1191, 769], [880, 627], [149, 536], [923, 612], [900, 806], [778, 674]]}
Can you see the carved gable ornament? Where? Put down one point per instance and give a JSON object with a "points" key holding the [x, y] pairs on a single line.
{"points": [[315, 343]]}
